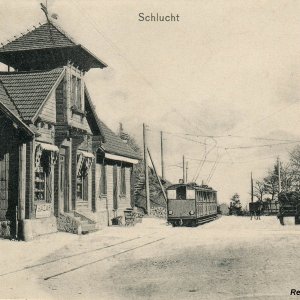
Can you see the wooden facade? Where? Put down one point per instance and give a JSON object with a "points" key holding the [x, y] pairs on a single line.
{"points": [[61, 162]]}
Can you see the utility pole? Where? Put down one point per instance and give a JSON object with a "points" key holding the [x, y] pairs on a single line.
{"points": [[158, 179], [162, 156], [279, 177], [183, 168], [251, 188], [147, 190], [186, 171]]}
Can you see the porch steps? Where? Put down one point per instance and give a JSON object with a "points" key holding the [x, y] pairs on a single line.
{"points": [[87, 225]]}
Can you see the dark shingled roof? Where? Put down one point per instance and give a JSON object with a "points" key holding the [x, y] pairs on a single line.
{"points": [[44, 36], [112, 144], [28, 90], [45, 41], [6, 101]]}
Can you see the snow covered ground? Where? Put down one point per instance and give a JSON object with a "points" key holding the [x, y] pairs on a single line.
{"points": [[230, 258]]}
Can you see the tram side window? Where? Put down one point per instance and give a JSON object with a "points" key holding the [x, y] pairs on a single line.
{"points": [[181, 193], [190, 194]]}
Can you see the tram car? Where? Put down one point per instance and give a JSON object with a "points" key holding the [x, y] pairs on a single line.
{"points": [[191, 204]]}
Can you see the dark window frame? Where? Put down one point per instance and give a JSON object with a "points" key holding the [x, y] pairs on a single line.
{"points": [[122, 181], [103, 180]]}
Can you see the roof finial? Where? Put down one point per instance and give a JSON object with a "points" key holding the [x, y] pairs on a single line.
{"points": [[44, 8]]}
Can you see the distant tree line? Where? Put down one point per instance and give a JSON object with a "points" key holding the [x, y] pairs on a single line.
{"points": [[266, 189]]}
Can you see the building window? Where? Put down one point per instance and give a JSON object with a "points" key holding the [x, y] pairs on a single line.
{"points": [[82, 187], [76, 93], [84, 161], [181, 193], [103, 185], [42, 180], [122, 182]]}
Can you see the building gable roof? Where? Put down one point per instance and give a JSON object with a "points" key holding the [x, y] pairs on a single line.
{"points": [[8, 108], [47, 40], [6, 101], [44, 36], [28, 90], [112, 143]]}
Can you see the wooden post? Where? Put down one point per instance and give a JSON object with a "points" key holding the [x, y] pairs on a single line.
{"points": [[251, 188], [17, 224], [186, 171], [31, 171], [22, 181], [183, 168], [147, 189], [279, 175], [162, 156], [161, 186]]}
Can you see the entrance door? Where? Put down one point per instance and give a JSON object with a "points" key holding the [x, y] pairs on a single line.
{"points": [[4, 175]]}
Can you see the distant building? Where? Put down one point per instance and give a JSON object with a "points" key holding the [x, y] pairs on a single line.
{"points": [[271, 207], [61, 167]]}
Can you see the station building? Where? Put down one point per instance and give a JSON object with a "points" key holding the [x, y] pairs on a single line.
{"points": [[61, 167]]}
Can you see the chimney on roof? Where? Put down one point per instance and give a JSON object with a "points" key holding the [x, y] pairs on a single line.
{"points": [[122, 134], [120, 129]]}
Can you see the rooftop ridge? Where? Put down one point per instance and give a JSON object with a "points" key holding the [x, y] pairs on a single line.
{"points": [[45, 26], [59, 28], [10, 98], [17, 37], [112, 142], [29, 90]]}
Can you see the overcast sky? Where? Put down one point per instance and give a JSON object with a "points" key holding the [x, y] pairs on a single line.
{"points": [[226, 68]]}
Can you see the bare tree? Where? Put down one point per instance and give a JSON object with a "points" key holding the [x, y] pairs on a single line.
{"points": [[259, 189]]}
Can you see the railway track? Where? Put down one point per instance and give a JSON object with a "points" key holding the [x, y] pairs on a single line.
{"points": [[87, 257], [101, 259]]}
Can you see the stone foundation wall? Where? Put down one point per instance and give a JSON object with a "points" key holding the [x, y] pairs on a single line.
{"points": [[5, 229], [67, 224], [32, 228]]}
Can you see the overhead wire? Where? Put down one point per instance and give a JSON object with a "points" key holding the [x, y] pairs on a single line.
{"points": [[269, 116], [232, 161], [118, 52], [213, 167], [229, 136], [206, 153]]}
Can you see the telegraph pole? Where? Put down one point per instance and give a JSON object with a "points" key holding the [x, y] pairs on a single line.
{"points": [[183, 168], [147, 190], [158, 179], [162, 156], [186, 171], [251, 188], [279, 176]]}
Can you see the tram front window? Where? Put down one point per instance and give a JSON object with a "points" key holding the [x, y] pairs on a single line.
{"points": [[181, 193]]}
